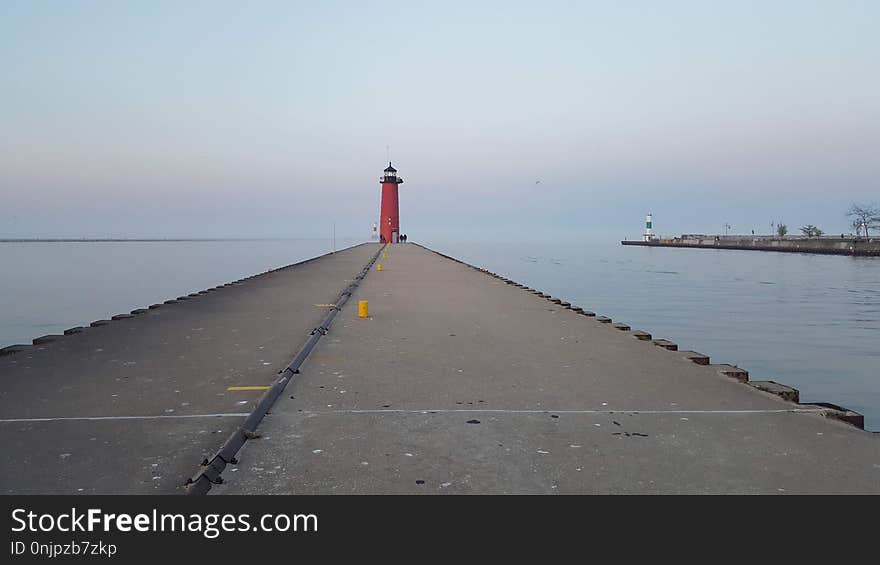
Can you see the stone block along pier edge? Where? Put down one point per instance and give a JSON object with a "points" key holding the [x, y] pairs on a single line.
{"points": [[457, 381]]}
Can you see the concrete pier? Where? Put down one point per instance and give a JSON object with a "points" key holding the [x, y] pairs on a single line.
{"points": [[460, 382], [457, 382]]}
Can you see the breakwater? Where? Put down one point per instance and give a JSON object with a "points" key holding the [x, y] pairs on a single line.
{"points": [[823, 245], [464, 381], [459, 381]]}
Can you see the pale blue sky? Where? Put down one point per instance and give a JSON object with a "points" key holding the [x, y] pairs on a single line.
{"points": [[272, 118]]}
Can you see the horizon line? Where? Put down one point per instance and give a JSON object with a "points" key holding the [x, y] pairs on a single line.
{"points": [[150, 239]]}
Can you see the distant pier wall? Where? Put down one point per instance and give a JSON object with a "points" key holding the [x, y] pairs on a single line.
{"points": [[824, 245]]}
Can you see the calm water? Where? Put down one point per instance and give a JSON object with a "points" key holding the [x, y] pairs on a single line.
{"points": [[809, 321]]}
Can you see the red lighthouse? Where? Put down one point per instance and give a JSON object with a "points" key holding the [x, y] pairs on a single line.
{"points": [[389, 214]]}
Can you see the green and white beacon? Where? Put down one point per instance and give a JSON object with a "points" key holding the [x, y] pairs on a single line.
{"points": [[649, 227]]}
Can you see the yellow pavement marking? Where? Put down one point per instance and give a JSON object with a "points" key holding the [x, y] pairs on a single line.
{"points": [[324, 356], [238, 388]]}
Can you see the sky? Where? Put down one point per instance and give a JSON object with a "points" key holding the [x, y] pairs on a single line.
{"points": [[507, 120]]}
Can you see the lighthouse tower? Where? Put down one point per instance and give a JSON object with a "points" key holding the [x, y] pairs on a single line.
{"points": [[649, 227], [389, 214]]}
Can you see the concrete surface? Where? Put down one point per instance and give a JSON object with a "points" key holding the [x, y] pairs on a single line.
{"points": [[460, 383], [133, 405]]}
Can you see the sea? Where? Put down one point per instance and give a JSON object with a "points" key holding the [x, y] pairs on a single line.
{"points": [[808, 321]]}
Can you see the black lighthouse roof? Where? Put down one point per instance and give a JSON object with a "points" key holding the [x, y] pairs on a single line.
{"points": [[390, 176]]}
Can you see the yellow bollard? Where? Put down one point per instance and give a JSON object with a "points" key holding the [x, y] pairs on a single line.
{"points": [[363, 309], [379, 267]]}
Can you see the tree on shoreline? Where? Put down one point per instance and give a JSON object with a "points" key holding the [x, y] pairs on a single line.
{"points": [[781, 230], [810, 230], [864, 217]]}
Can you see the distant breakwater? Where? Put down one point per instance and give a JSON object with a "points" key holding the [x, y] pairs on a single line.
{"points": [[825, 245]]}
